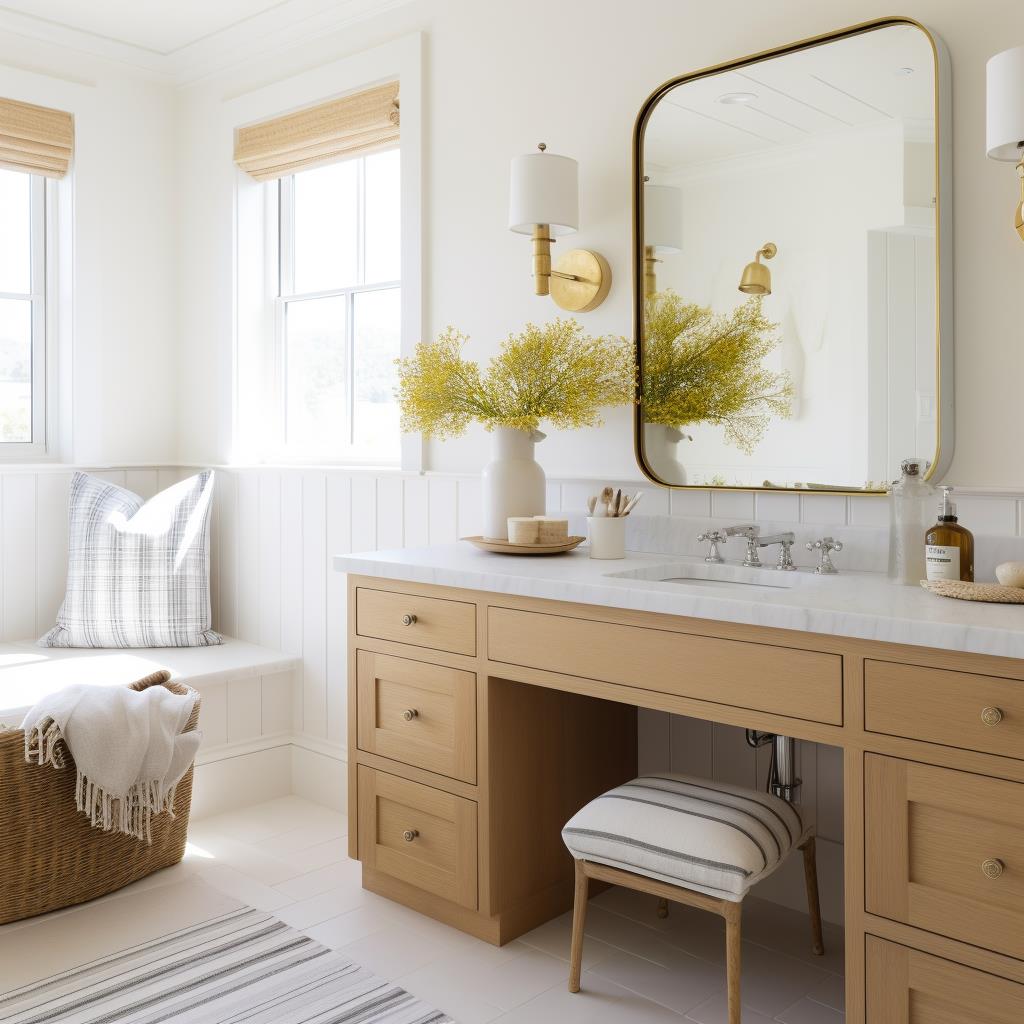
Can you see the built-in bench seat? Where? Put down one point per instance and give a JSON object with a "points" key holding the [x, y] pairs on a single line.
{"points": [[246, 718]]}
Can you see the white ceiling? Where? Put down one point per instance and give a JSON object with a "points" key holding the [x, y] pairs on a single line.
{"points": [[849, 83], [181, 39], [154, 25]]}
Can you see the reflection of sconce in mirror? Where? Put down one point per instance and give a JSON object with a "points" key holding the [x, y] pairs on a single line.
{"points": [[1004, 134], [757, 278], [544, 202], [663, 229]]}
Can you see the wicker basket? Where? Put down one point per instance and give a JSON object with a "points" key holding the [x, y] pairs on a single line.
{"points": [[50, 856]]}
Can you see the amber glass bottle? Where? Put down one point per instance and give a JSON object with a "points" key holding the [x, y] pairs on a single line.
{"points": [[949, 547]]}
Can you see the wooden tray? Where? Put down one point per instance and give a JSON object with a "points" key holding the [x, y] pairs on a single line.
{"points": [[991, 592], [504, 547]]}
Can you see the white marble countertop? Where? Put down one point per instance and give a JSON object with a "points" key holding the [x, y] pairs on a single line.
{"points": [[861, 605]]}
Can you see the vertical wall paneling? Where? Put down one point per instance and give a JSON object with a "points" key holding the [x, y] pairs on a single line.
{"points": [[349, 502], [269, 526], [364, 513], [249, 555], [313, 717], [442, 510], [291, 563], [390, 513], [225, 553], [19, 554], [51, 549], [416, 514], [469, 511], [143, 482]]}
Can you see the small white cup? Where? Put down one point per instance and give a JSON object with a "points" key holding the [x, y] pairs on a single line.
{"points": [[607, 536]]}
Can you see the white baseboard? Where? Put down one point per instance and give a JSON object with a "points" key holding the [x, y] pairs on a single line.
{"points": [[236, 775], [240, 779]]}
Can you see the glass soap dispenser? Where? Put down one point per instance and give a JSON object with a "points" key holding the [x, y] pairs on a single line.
{"points": [[949, 547], [910, 504]]}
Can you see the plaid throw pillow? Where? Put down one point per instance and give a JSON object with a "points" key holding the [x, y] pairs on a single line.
{"points": [[138, 571]]}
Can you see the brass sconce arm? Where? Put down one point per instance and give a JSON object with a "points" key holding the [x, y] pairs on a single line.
{"points": [[1018, 220]]}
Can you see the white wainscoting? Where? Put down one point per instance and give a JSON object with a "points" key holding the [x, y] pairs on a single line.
{"points": [[275, 530]]}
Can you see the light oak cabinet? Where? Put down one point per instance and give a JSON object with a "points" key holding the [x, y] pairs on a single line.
{"points": [[438, 624], [805, 684], [420, 714], [958, 709], [479, 723], [945, 851], [419, 835], [906, 986]]}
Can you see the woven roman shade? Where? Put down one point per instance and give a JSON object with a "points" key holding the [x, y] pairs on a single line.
{"points": [[36, 140], [350, 126]]}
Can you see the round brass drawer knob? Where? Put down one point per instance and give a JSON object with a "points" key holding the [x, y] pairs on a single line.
{"points": [[410, 713], [991, 716], [408, 620], [992, 868], [410, 834]]}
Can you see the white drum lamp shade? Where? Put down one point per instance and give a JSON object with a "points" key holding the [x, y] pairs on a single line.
{"points": [[1005, 105], [663, 219], [544, 189]]}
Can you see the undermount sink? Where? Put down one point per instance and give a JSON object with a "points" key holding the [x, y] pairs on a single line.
{"points": [[722, 577]]}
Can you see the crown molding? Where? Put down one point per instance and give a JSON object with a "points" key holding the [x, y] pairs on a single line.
{"points": [[285, 24]]}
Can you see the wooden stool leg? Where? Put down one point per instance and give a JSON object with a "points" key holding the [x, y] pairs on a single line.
{"points": [[662, 908], [813, 904], [579, 917], [732, 959]]}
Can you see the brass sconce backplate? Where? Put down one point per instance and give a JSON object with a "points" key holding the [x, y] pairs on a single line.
{"points": [[581, 280]]}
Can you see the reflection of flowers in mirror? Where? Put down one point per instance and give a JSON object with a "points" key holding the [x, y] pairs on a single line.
{"points": [[703, 367]]}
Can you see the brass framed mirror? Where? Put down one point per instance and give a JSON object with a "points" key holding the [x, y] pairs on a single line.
{"points": [[792, 266]]}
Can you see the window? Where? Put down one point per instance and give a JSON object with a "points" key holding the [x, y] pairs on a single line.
{"points": [[338, 325], [22, 314]]}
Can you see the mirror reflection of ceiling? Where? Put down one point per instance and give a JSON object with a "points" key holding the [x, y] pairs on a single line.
{"points": [[850, 83]]}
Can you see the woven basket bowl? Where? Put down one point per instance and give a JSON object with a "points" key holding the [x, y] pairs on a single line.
{"points": [[50, 856]]}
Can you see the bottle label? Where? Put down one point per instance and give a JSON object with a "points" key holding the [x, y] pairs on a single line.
{"points": [[943, 562]]}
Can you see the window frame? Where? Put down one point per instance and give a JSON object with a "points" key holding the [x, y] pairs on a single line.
{"points": [[281, 250], [42, 296]]}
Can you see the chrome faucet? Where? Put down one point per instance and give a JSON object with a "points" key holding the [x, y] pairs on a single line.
{"points": [[752, 560], [785, 542], [714, 537], [826, 546]]}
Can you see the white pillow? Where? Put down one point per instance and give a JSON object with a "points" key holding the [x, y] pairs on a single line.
{"points": [[138, 571]]}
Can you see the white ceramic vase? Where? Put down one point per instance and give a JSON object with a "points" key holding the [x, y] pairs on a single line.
{"points": [[513, 482], [661, 448]]}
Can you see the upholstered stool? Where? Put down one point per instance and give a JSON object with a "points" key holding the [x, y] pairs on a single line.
{"points": [[691, 841]]}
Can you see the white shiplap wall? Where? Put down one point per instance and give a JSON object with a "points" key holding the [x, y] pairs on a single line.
{"points": [[275, 530]]}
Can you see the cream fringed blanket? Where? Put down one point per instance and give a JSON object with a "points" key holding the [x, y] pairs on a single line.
{"points": [[128, 746]]}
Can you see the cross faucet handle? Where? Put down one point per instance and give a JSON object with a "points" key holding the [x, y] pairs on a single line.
{"points": [[714, 537], [826, 546]]}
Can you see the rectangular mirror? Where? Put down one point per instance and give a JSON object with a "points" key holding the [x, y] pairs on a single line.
{"points": [[791, 266]]}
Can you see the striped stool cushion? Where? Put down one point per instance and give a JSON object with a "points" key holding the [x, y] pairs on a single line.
{"points": [[709, 836]]}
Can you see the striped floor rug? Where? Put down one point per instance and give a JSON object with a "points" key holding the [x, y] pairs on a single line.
{"points": [[244, 967]]}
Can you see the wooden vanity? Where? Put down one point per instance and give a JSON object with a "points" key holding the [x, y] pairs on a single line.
{"points": [[480, 721]]}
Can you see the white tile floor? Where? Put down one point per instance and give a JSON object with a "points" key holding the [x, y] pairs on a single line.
{"points": [[287, 856]]}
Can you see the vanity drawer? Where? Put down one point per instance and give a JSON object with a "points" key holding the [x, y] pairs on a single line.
{"points": [[906, 986], [945, 851], [418, 835], [958, 709], [779, 680], [421, 621], [419, 714]]}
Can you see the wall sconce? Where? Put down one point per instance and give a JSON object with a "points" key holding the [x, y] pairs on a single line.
{"points": [[1004, 123], [757, 278], [544, 202], [663, 229]]}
